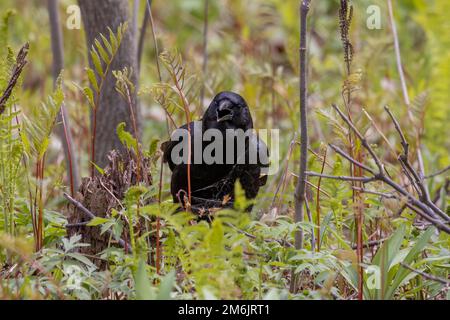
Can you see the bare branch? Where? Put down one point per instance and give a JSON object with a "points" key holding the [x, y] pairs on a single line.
{"points": [[346, 156], [404, 143], [426, 275], [381, 194], [361, 138], [344, 178], [438, 173]]}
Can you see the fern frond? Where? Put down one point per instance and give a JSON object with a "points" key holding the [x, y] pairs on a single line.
{"points": [[102, 54], [39, 124]]}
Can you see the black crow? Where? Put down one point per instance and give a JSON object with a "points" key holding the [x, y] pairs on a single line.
{"points": [[212, 183]]}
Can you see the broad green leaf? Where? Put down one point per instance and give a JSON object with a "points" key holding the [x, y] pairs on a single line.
{"points": [[214, 238], [92, 79], [144, 290], [99, 169], [89, 96], [383, 259], [153, 147], [82, 259], [413, 253], [96, 61], [113, 41], [166, 286], [97, 221], [107, 44], [125, 137], [101, 50]]}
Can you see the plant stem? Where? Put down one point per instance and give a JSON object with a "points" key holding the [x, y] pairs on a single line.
{"points": [[58, 63], [205, 51], [301, 183], [318, 199]]}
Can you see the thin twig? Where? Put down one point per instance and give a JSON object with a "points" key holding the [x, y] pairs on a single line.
{"points": [[155, 41], [426, 275], [422, 206], [318, 198], [437, 173], [346, 156], [370, 244], [398, 57], [377, 193], [251, 236], [205, 51], [404, 143], [64, 134], [345, 178], [380, 132], [309, 215], [90, 215], [283, 173], [361, 138]]}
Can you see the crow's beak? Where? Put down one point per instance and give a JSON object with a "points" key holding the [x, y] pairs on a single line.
{"points": [[224, 112]]}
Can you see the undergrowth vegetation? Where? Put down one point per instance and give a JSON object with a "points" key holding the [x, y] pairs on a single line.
{"points": [[361, 238]]}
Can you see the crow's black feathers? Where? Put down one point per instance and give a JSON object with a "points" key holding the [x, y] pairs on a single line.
{"points": [[211, 184]]}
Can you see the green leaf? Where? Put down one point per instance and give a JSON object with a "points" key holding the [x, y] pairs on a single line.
{"points": [[113, 41], [97, 221], [153, 147], [133, 193], [96, 61], [82, 259], [89, 96], [402, 273], [107, 44], [102, 51], [125, 137], [166, 286], [99, 169], [25, 143], [144, 290], [384, 257], [214, 238], [390, 247], [92, 79]]}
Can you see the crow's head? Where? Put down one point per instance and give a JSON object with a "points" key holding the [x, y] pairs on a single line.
{"points": [[228, 110]]}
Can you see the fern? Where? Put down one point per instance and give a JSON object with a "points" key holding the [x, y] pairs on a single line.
{"points": [[432, 20], [102, 55], [37, 129], [39, 123], [10, 143]]}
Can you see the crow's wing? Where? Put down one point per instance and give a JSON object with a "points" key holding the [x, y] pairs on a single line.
{"points": [[254, 175], [167, 146]]}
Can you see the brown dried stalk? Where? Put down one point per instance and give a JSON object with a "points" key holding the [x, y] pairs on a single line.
{"points": [[15, 74]]}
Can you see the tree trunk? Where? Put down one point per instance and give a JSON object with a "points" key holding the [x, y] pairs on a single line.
{"points": [[113, 109], [64, 134]]}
